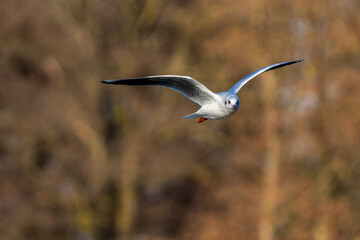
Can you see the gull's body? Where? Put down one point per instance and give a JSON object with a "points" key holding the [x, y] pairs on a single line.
{"points": [[216, 109], [213, 105]]}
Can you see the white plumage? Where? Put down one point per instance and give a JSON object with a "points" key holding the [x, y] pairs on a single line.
{"points": [[213, 105]]}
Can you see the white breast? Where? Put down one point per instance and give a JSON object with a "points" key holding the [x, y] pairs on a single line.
{"points": [[215, 110]]}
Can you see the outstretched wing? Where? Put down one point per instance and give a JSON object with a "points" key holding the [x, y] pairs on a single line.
{"points": [[183, 84], [235, 89]]}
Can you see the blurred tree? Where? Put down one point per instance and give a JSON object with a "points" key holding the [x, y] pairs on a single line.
{"points": [[81, 160]]}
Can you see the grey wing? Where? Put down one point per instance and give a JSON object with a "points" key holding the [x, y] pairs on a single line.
{"points": [[235, 89], [183, 84]]}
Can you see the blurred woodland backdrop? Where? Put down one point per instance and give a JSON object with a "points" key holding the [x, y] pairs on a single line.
{"points": [[82, 160]]}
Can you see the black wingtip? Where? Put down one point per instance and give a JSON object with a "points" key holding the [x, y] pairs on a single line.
{"points": [[280, 65], [295, 61], [104, 82]]}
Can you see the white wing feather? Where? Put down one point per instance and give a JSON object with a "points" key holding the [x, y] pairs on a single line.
{"points": [[235, 89], [188, 86]]}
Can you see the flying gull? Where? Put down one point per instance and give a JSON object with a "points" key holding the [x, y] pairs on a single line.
{"points": [[213, 105]]}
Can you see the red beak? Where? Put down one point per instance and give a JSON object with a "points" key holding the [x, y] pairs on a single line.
{"points": [[234, 106]]}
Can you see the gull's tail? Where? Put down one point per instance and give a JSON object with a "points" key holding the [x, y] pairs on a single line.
{"points": [[193, 115]]}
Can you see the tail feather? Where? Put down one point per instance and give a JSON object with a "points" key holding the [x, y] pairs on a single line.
{"points": [[193, 115]]}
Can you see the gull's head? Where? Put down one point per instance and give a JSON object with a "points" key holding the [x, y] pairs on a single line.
{"points": [[232, 102]]}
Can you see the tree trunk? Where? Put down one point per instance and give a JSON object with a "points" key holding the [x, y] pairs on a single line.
{"points": [[271, 167]]}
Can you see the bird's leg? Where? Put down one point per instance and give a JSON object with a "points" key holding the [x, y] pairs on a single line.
{"points": [[202, 120]]}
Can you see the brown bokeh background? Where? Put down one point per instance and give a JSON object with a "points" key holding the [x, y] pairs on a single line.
{"points": [[82, 160]]}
